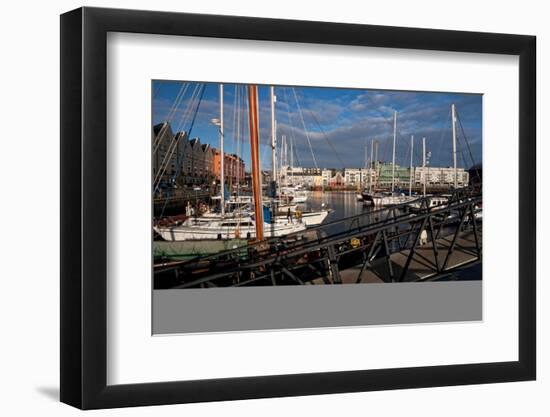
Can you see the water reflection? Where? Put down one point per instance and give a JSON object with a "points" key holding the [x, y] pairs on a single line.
{"points": [[344, 204]]}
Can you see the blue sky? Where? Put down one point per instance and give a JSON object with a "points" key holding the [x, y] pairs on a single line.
{"points": [[339, 122]]}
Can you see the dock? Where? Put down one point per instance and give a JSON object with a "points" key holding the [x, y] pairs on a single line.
{"points": [[423, 266]]}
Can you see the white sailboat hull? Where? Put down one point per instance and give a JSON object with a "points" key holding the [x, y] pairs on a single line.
{"points": [[313, 218], [215, 232], [300, 199], [433, 201], [392, 200]]}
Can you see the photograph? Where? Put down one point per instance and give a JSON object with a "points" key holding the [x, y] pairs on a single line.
{"points": [[279, 185], [287, 205]]}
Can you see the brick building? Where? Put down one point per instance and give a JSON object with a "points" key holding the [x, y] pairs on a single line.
{"points": [[233, 167]]}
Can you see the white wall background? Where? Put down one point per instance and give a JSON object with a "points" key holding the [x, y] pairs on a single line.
{"points": [[29, 183]]}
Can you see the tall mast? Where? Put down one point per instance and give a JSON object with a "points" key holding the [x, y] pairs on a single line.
{"points": [[286, 151], [365, 182], [366, 154], [411, 167], [292, 159], [222, 156], [254, 128], [366, 161], [376, 145], [273, 139], [393, 152], [284, 169], [424, 167], [286, 160], [453, 111], [371, 164], [273, 185]]}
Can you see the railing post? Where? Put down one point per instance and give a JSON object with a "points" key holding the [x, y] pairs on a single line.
{"points": [[412, 251], [434, 243], [388, 259], [474, 226], [333, 263], [455, 237], [368, 256]]}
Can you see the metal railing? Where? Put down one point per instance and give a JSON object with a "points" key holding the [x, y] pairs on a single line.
{"points": [[322, 252]]}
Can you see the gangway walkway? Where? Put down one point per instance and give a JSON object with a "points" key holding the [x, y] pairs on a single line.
{"points": [[422, 266]]}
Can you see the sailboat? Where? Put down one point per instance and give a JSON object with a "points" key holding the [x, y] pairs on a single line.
{"points": [[288, 191], [392, 197], [308, 218], [365, 195], [438, 200], [294, 194], [241, 225], [201, 228], [241, 209], [244, 226]]}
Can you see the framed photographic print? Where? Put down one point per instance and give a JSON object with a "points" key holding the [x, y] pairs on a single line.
{"points": [[258, 207]]}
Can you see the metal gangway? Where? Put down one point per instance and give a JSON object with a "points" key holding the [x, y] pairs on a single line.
{"points": [[413, 241]]}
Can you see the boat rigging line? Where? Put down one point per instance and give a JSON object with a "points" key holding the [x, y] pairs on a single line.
{"points": [[327, 139], [437, 153], [170, 115], [173, 142], [195, 104], [291, 129], [305, 129], [467, 145], [195, 100]]}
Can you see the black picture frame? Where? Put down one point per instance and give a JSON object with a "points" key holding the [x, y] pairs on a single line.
{"points": [[84, 207]]}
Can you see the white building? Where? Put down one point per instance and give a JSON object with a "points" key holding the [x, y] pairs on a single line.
{"points": [[305, 177], [441, 176], [360, 177], [355, 177], [368, 176], [326, 175], [352, 177]]}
